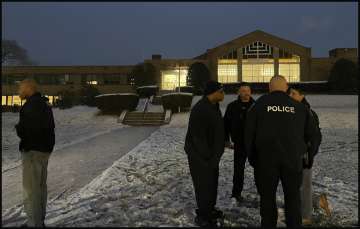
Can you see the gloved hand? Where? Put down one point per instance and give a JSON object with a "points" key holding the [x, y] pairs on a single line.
{"points": [[252, 161], [307, 164], [229, 145]]}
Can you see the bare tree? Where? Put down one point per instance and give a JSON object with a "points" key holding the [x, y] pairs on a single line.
{"points": [[13, 54]]}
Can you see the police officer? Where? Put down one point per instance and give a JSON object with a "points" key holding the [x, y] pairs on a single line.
{"points": [[306, 190], [277, 131], [204, 145], [234, 122]]}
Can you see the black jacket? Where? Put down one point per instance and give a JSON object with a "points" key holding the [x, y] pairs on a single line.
{"points": [[204, 140], [318, 136], [234, 120], [36, 125], [277, 132]]}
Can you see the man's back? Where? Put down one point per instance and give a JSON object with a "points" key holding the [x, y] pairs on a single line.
{"points": [[278, 122], [36, 125]]}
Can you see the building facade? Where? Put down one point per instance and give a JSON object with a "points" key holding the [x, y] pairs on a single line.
{"points": [[254, 57]]}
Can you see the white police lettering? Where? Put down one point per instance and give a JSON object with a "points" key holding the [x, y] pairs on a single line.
{"points": [[281, 109]]}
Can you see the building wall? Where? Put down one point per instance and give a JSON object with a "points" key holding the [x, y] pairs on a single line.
{"points": [[170, 64], [349, 53], [55, 89], [303, 52], [321, 67]]}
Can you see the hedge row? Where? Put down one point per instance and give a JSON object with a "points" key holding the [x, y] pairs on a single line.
{"points": [[173, 101], [147, 91], [116, 103], [15, 108]]}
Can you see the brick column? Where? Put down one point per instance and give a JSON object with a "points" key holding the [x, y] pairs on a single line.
{"points": [[239, 64], [276, 61]]}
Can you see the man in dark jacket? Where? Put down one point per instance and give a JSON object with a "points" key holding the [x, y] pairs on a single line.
{"points": [[37, 138], [234, 122], [297, 94], [278, 129], [204, 145]]}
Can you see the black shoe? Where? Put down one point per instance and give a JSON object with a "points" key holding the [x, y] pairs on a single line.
{"points": [[201, 222], [24, 225], [238, 198], [217, 214]]}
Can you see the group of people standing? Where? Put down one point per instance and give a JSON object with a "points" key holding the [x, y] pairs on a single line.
{"points": [[278, 134]]}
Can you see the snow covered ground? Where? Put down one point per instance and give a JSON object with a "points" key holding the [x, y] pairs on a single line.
{"points": [[72, 126], [151, 185]]}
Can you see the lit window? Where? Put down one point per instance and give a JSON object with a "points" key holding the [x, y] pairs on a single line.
{"points": [[290, 68], [92, 82], [257, 70], [3, 100], [170, 78], [227, 71]]}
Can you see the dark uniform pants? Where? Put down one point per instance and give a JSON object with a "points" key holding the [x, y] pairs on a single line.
{"points": [[205, 180], [239, 167], [266, 180]]}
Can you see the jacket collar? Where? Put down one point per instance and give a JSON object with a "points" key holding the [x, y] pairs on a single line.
{"points": [[278, 93], [305, 102], [36, 95], [206, 100]]}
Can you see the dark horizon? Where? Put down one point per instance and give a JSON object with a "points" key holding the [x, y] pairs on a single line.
{"points": [[127, 33]]}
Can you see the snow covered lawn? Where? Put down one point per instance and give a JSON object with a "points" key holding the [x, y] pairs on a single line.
{"points": [[72, 126], [151, 185]]}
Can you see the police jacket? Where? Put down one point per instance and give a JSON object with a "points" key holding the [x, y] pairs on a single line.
{"points": [[204, 140], [36, 125], [277, 132], [234, 120]]}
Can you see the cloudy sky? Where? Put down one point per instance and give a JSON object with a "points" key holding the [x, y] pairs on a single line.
{"points": [[126, 33]]}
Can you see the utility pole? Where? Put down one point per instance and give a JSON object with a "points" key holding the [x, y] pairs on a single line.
{"points": [[179, 84], [179, 79]]}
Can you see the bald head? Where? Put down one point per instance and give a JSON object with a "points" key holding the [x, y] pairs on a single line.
{"points": [[27, 88], [278, 83]]}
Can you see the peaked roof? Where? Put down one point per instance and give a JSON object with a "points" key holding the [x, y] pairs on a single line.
{"points": [[259, 33]]}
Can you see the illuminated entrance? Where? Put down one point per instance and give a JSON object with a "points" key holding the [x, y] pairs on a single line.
{"points": [[170, 78], [257, 62]]}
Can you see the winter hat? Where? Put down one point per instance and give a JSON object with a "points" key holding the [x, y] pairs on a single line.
{"points": [[212, 86]]}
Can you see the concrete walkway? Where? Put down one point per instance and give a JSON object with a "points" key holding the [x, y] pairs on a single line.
{"points": [[72, 167]]}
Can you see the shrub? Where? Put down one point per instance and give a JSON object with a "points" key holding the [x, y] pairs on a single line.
{"points": [[116, 103], [344, 76], [147, 91], [68, 99], [87, 94], [173, 101], [144, 74], [198, 75], [186, 89]]}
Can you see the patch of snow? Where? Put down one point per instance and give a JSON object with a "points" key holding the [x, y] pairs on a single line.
{"points": [[150, 86], [152, 186], [72, 126], [178, 93], [116, 94]]}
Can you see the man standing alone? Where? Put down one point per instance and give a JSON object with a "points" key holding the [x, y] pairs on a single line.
{"points": [[204, 145], [234, 121], [36, 131], [278, 129]]}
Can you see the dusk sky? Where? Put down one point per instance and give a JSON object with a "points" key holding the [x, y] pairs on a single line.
{"points": [[127, 33]]}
